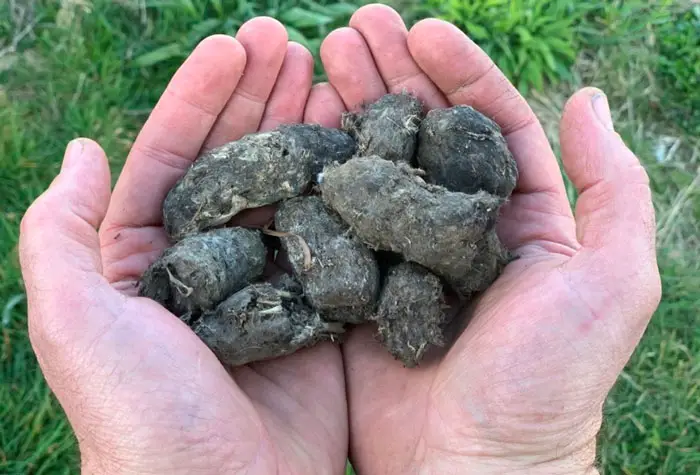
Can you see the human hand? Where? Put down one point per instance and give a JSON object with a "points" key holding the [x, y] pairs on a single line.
{"points": [[521, 390], [142, 392]]}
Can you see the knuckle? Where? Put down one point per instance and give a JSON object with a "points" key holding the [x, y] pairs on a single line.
{"points": [[637, 174], [642, 291], [46, 329], [35, 216]]}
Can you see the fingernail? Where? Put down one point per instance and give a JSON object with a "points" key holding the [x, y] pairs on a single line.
{"points": [[74, 151], [602, 110]]}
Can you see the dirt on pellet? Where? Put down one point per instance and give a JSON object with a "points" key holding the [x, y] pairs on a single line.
{"points": [[390, 208], [200, 271], [463, 150], [387, 128], [257, 170], [337, 271], [410, 313], [263, 321]]}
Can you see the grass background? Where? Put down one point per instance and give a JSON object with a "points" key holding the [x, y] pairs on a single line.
{"points": [[95, 68]]}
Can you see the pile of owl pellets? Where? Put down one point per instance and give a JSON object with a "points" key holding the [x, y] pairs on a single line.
{"points": [[377, 222]]}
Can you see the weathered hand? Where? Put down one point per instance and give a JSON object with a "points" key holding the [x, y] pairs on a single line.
{"points": [[521, 390], [143, 394]]}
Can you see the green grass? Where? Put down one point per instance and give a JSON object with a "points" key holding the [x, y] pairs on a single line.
{"points": [[97, 73], [652, 416]]}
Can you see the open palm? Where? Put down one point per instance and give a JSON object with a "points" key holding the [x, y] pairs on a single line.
{"points": [[523, 386], [142, 392]]}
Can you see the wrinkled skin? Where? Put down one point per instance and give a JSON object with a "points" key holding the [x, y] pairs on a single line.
{"points": [[520, 391]]}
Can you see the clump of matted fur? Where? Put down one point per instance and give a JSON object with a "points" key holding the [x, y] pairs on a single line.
{"points": [[384, 241], [387, 128]]}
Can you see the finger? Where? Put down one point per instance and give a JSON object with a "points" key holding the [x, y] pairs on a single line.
{"points": [[614, 212], [539, 211], [265, 43], [174, 133], [386, 35], [351, 69], [288, 98], [129, 252], [324, 107], [59, 247], [466, 74], [616, 273]]}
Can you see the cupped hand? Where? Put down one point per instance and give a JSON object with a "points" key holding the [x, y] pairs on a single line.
{"points": [[142, 393], [521, 390]]}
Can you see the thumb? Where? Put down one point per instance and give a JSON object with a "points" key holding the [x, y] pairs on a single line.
{"points": [[59, 247], [615, 221], [614, 211]]}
